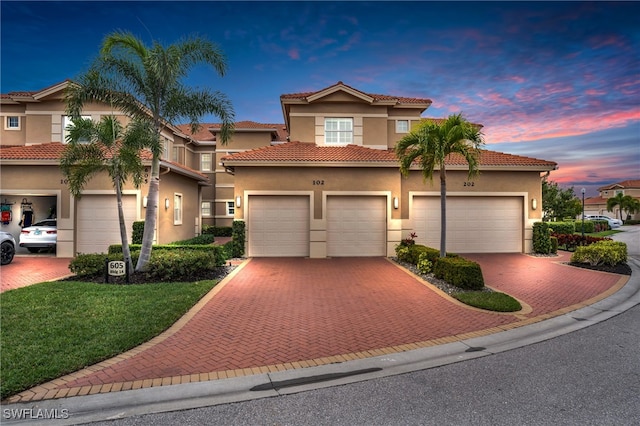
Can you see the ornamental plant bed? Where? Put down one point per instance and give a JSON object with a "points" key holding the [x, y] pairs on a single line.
{"points": [[620, 268]]}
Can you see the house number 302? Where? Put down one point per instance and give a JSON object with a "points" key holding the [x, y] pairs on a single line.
{"points": [[318, 182]]}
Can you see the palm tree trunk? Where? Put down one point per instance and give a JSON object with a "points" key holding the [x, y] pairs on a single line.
{"points": [[443, 211], [126, 253], [150, 215]]}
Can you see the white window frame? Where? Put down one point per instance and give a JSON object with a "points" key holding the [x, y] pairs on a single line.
{"points": [[231, 208], [206, 164], [338, 131], [402, 126], [177, 208], [66, 122], [206, 209], [8, 124]]}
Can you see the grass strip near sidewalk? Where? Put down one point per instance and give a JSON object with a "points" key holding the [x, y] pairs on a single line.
{"points": [[51, 329], [492, 301]]}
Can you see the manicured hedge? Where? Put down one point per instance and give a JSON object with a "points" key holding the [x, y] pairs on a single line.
{"points": [[460, 272], [562, 227], [571, 241], [217, 231], [541, 238]]}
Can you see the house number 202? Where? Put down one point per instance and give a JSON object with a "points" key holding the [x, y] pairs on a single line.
{"points": [[469, 184], [318, 182]]}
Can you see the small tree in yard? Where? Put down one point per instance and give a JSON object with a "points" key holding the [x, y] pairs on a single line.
{"points": [[558, 203], [104, 146], [428, 146], [147, 82]]}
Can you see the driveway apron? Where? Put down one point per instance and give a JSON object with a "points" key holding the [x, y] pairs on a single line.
{"points": [[285, 313]]}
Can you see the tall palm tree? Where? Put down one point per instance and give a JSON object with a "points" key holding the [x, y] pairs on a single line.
{"points": [[429, 144], [630, 205], [147, 81], [617, 201], [104, 146]]}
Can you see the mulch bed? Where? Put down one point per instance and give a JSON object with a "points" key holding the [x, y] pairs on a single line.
{"points": [[622, 268]]}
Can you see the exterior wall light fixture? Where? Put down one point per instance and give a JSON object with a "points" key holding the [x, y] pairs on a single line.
{"points": [[534, 203], [166, 204], [144, 202], [238, 201], [396, 203]]}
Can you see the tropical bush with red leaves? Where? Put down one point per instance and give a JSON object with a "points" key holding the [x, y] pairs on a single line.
{"points": [[569, 242]]}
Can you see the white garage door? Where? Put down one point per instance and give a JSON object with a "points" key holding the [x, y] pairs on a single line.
{"points": [[356, 226], [97, 225], [278, 226], [474, 224]]}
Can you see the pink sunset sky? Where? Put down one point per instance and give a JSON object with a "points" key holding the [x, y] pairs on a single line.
{"points": [[558, 81]]}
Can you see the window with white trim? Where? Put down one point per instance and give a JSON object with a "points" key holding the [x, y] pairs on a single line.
{"points": [[67, 123], [402, 126], [12, 123], [231, 208], [205, 209], [205, 162], [177, 209], [338, 131]]}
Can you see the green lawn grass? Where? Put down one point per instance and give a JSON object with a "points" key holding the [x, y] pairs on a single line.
{"points": [[492, 301], [602, 234], [51, 329]]}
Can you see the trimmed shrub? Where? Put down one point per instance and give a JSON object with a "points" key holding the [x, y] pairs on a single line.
{"points": [[541, 238], [237, 243], [417, 250], [94, 264], [173, 265], [138, 230], [217, 231], [609, 253], [554, 244], [562, 227], [459, 272], [201, 239]]}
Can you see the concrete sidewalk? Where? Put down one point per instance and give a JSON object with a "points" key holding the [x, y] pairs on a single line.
{"points": [[276, 320]]}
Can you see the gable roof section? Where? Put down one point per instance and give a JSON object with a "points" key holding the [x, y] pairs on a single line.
{"points": [[632, 183], [49, 154], [310, 154], [307, 97], [206, 131]]}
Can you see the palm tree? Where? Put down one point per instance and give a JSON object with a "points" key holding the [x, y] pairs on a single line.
{"points": [[146, 81], [617, 201], [108, 148], [429, 145], [630, 205]]}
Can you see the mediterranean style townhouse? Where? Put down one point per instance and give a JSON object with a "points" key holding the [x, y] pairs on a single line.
{"points": [[324, 183], [598, 205]]}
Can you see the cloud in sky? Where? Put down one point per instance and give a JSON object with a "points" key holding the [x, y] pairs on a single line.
{"points": [[553, 80]]}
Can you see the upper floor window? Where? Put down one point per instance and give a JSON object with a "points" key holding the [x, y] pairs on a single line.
{"points": [[620, 191], [177, 209], [338, 131], [402, 126], [205, 162], [67, 123], [12, 123]]}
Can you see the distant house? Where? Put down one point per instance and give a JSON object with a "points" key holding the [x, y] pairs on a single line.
{"points": [[323, 183], [598, 205]]}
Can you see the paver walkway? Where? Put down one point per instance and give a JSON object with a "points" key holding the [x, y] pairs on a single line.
{"points": [[284, 313]]}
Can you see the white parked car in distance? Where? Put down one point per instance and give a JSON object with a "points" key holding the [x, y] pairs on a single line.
{"points": [[613, 223]]}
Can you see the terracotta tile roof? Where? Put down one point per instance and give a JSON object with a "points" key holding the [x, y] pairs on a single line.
{"points": [[377, 97], [633, 183], [595, 200], [45, 151], [205, 135], [309, 152]]}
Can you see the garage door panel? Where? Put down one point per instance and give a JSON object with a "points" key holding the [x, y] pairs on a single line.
{"points": [[278, 226], [356, 226], [474, 224], [98, 225]]}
